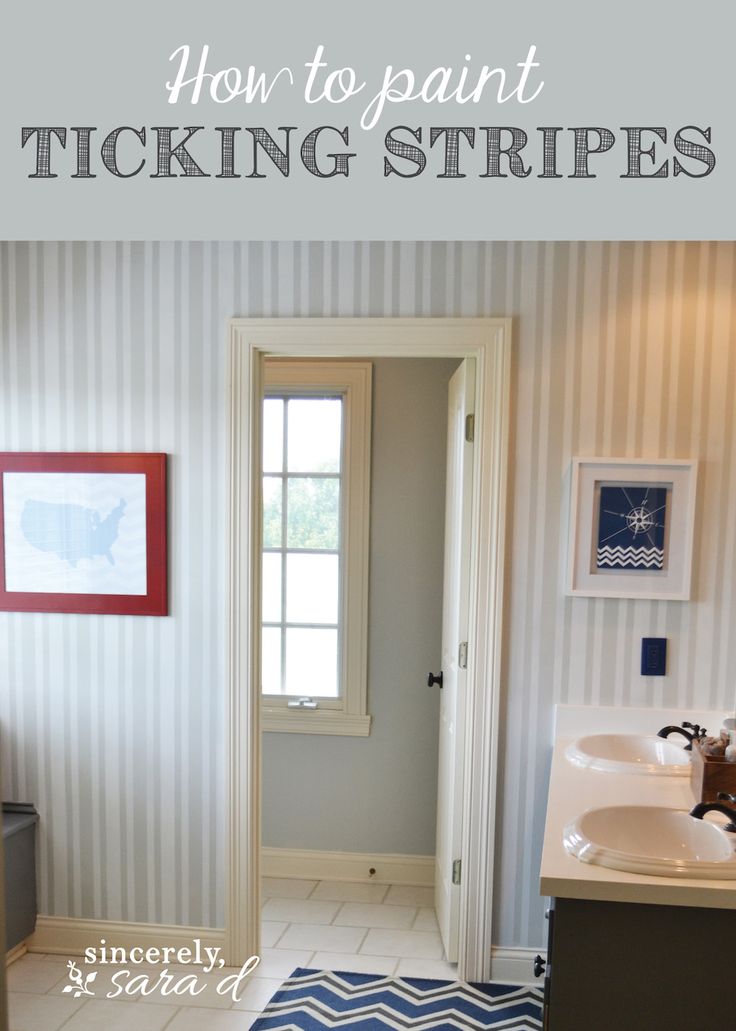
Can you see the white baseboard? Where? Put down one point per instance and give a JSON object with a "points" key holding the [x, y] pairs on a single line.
{"points": [[515, 966], [69, 937], [15, 953], [348, 866]]}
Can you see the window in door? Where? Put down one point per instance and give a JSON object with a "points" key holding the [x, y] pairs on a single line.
{"points": [[316, 470]]}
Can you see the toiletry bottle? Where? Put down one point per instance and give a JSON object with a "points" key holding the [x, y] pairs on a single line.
{"points": [[731, 748]]}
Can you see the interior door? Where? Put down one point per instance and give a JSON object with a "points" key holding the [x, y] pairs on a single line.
{"points": [[454, 647]]}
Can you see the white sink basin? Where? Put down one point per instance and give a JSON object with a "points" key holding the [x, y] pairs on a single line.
{"points": [[652, 840], [630, 753]]}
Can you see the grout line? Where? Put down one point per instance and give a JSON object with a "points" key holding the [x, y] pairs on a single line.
{"points": [[362, 941], [65, 1022], [433, 930], [56, 984], [173, 1017], [280, 936]]}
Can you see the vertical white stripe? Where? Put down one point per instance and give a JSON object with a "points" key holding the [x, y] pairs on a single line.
{"points": [[655, 347], [721, 445], [208, 729], [167, 680], [636, 346], [183, 572], [539, 622], [673, 343], [570, 344]]}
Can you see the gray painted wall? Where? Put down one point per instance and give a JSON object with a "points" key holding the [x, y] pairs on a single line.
{"points": [[379, 794], [115, 726]]}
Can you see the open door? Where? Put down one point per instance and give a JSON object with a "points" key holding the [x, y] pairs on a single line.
{"points": [[455, 604]]}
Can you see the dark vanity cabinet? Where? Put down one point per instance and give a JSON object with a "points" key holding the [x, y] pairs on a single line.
{"points": [[623, 966], [19, 842]]}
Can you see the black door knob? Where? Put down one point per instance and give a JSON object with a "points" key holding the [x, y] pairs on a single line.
{"points": [[539, 965], [434, 678]]}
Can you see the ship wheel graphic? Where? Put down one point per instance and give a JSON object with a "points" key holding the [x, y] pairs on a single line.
{"points": [[640, 519]]}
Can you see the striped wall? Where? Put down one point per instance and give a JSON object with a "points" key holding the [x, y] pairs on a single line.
{"points": [[115, 726]]}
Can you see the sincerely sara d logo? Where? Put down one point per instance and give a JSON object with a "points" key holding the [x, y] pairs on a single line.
{"points": [[129, 979], [78, 982]]}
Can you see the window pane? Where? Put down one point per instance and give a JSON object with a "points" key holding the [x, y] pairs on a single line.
{"points": [[273, 435], [315, 435], [311, 662], [271, 660], [311, 588], [271, 588], [272, 504], [313, 513]]}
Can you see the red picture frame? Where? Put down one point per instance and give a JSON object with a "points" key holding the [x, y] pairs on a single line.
{"points": [[70, 539]]}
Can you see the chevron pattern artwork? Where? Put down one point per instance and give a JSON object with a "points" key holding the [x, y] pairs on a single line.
{"points": [[317, 1000], [630, 558]]}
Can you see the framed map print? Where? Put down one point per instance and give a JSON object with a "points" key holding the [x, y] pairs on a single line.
{"points": [[83, 533], [631, 528]]}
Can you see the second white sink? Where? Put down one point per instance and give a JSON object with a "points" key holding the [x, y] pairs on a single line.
{"points": [[652, 840], [630, 753]]}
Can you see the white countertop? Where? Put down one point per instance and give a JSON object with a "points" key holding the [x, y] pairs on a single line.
{"points": [[573, 790]]}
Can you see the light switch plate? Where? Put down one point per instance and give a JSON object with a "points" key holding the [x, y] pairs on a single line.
{"points": [[653, 656]]}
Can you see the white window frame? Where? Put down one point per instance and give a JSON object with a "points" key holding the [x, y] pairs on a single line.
{"points": [[352, 380]]}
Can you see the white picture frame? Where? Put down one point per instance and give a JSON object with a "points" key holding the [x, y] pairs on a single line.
{"points": [[631, 528]]}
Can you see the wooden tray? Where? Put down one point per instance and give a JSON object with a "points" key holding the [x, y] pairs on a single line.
{"points": [[710, 774]]}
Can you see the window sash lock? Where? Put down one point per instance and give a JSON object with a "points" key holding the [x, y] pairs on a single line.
{"points": [[302, 703]]}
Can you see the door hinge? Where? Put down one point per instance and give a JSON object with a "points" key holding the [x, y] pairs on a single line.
{"points": [[470, 428], [456, 870], [462, 655]]}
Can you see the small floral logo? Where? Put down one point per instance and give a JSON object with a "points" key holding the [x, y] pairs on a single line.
{"points": [[79, 985]]}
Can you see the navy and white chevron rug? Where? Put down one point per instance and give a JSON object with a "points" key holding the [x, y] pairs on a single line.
{"points": [[318, 1000]]}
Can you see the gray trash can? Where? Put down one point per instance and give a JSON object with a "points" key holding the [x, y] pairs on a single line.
{"points": [[19, 843]]}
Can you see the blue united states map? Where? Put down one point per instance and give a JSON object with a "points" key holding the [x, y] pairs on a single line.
{"points": [[71, 532]]}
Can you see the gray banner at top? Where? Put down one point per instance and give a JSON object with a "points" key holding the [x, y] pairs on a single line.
{"points": [[367, 120]]}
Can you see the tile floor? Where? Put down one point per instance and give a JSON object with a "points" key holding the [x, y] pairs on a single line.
{"points": [[375, 928], [370, 928]]}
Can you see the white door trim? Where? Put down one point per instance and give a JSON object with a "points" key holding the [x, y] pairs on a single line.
{"points": [[488, 341]]}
